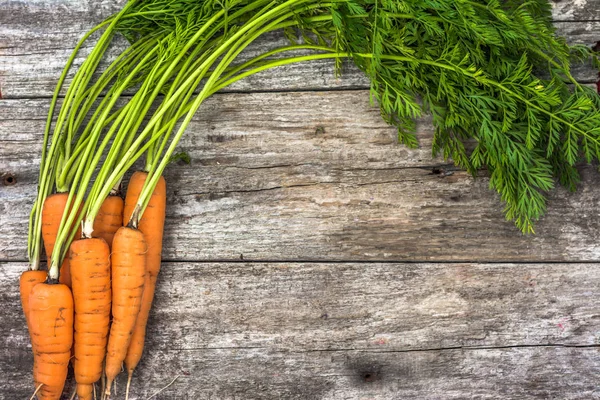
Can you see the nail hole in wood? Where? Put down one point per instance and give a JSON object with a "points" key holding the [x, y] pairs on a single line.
{"points": [[370, 376], [320, 130], [9, 180], [441, 172]]}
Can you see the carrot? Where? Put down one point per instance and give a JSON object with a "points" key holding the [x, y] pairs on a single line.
{"points": [[128, 264], [90, 272], [52, 212], [27, 281], [109, 219], [151, 225], [51, 322]]}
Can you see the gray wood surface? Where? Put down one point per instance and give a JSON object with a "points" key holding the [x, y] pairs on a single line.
{"points": [[352, 330], [317, 175], [354, 290], [35, 42]]}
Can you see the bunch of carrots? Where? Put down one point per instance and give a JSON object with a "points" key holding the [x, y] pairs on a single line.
{"points": [[113, 272], [90, 306]]}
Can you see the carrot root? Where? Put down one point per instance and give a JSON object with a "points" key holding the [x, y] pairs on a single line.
{"points": [[90, 259], [27, 281], [109, 219], [37, 389], [84, 391], [52, 212], [51, 313], [65, 273], [151, 225], [129, 374], [128, 263]]}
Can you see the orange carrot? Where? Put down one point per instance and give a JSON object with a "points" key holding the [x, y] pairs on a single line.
{"points": [[27, 281], [128, 264], [90, 272], [109, 219], [51, 323], [52, 213], [151, 225]]}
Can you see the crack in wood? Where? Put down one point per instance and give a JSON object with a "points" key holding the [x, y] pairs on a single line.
{"points": [[267, 189], [377, 351]]}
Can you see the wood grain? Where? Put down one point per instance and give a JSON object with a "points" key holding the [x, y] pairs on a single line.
{"points": [[296, 176], [577, 10], [37, 37], [316, 175], [230, 374], [352, 330]]}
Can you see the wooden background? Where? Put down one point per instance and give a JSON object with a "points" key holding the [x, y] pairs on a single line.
{"points": [[309, 256]]}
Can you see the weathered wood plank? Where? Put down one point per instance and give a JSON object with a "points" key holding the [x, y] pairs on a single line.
{"points": [[578, 10], [252, 374], [333, 331], [298, 176], [36, 39]]}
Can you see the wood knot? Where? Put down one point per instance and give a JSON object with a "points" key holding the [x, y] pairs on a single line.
{"points": [[441, 172], [365, 371], [9, 179], [370, 376]]}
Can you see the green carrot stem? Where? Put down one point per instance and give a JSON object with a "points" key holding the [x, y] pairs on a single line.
{"points": [[34, 239], [132, 118], [117, 173], [70, 169], [85, 176], [47, 172], [124, 60], [80, 84], [253, 28], [191, 63]]}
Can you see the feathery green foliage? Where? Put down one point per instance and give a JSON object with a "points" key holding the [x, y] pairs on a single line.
{"points": [[494, 76], [496, 80]]}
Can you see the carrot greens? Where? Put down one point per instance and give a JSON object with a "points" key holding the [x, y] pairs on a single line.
{"points": [[470, 64]]}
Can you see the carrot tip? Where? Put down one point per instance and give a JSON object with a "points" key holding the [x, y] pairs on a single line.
{"points": [[84, 391], [107, 389], [36, 391], [129, 373]]}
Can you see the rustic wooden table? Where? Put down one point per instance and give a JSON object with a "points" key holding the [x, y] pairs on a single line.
{"points": [[309, 256]]}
